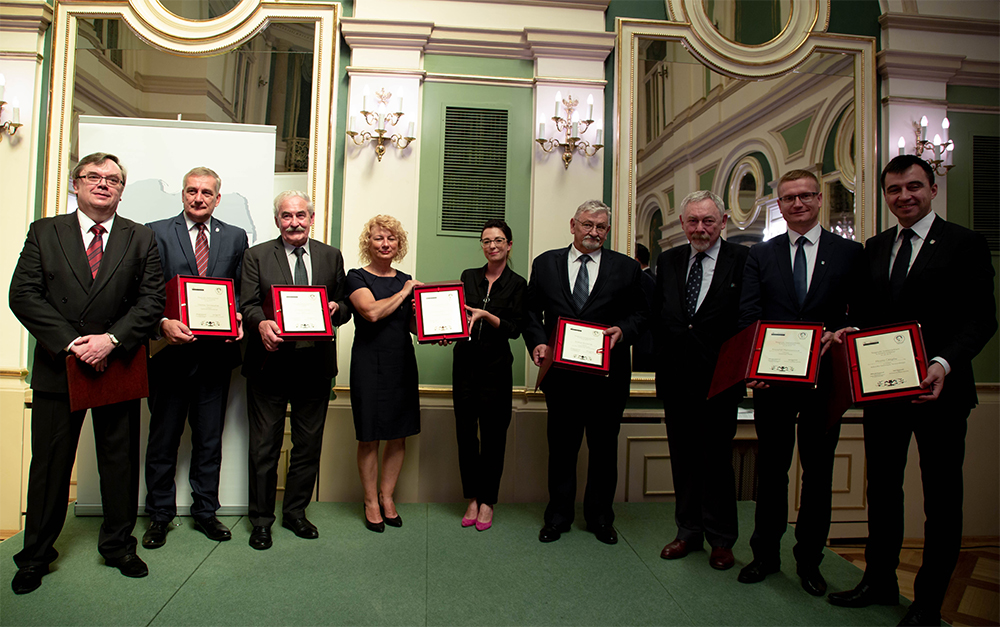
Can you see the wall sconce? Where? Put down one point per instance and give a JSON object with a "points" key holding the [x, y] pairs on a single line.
{"points": [[380, 119], [572, 130], [942, 149], [10, 126]]}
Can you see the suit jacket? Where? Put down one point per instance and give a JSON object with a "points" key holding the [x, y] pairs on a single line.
{"points": [[265, 265], [769, 294], [616, 300], [226, 246], [54, 296], [687, 347], [948, 290]]}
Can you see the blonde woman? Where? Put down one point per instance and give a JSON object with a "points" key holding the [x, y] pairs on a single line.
{"points": [[383, 365]]}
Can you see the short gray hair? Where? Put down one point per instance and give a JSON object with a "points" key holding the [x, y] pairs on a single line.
{"points": [[704, 195], [203, 171], [595, 206], [285, 195]]}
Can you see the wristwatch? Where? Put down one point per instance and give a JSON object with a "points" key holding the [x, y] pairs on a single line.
{"points": [[114, 340]]}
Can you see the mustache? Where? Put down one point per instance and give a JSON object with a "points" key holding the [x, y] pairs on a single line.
{"points": [[295, 229]]}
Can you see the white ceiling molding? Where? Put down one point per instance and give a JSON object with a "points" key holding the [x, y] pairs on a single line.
{"points": [[570, 44], [939, 24], [918, 65], [31, 16]]}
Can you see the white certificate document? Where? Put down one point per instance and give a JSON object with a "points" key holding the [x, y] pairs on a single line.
{"points": [[303, 311], [440, 312], [582, 345], [886, 362], [785, 352], [207, 307]]}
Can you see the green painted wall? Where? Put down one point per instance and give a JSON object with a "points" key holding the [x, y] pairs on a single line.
{"points": [[829, 151], [795, 135], [475, 66], [444, 256], [705, 179], [339, 146]]}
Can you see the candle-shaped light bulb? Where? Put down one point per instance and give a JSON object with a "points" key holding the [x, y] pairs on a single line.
{"points": [[16, 113], [364, 99], [541, 130], [400, 109], [590, 107], [923, 128], [353, 125], [947, 153], [937, 139], [945, 125], [937, 146], [558, 102], [600, 137], [3, 85], [411, 130], [575, 132], [902, 145]]}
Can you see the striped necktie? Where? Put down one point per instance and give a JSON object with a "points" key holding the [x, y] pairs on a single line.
{"points": [[95, 252], [201, 250]]}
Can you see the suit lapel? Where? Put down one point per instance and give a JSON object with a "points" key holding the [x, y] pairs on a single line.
{"points": [[562, 271], [184, 242], [119, 239], [680, 272], [721, 274], [215, 237], [927, 250], [282, 260], [823, 255], [882, 245], [71, 242], [602, 277]]}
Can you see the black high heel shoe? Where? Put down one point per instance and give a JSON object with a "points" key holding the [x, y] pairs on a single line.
{"points": [[392, 522], [378, 527]]}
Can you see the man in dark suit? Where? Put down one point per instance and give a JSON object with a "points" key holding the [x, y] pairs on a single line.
{"points": [[280, 371], [189, 379], [643, 352], [87, 284], [696, 310], [805, 275], [589, 283], [941, 275]]}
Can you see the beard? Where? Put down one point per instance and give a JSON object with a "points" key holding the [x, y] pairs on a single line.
{"points": [[701, 243], [591, 243]]}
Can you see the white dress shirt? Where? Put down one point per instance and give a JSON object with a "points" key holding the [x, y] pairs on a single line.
{"points": [[593, 267], [707, 268], [306, 259], [811, 250]]}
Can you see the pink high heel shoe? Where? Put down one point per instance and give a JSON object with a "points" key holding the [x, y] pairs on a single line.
{"points": [[468, 522], [482, 526]]}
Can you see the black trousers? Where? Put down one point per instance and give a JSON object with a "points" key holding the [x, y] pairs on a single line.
{"points": [[775, 412], [55, 434], [700, 435], [267, 401], [581, 404], [182, 392], [482, 399], [940, 432]]}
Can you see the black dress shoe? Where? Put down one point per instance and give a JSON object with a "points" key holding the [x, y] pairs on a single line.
{"points": [[28, 579], [156, 535], [865, 595], [755, 571], [378, 527], [301, 527], [130, 565], [213, 528], [551, 533], [918, 615], [606, 534], [812, 580], [260, 538], [392, 522]]}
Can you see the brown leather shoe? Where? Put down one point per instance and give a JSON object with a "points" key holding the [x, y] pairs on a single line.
{"points": [[721, 558], [676, 550]]}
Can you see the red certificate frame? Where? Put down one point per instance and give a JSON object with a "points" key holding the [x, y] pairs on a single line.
{"points": [[281, 318], [861, 344], [740, 358], [601, 363], [177, 304], [424, 337]]}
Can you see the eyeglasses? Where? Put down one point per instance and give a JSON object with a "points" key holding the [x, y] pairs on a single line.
{"points": [[590, 226], [498, 242], [94, 178], [804, 197]]}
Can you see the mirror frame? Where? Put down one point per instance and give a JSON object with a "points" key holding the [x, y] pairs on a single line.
{"points": [[780, 56], [169, 33]]}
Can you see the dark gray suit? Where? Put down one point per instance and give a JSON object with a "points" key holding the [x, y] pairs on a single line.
{"points": [[54, 296], [191, 381], [292, 374]]}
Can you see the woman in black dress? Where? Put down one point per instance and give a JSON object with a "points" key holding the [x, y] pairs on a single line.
{"points": [[481, 375], [384, 396]]}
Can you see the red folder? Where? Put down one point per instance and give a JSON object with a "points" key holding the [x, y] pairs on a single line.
{"points": [[124, 379]]}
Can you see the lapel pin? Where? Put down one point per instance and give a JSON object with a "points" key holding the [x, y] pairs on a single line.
{"points": [[822, 263], [932, 241]]}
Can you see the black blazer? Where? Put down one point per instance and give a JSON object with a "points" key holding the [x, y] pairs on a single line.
{"points": [[948, 290], [616, 300], [56, 299], [226, 245], [265, 265], [768, 292], [687, 347]]}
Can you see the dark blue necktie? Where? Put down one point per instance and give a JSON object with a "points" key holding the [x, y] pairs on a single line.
{"points": [[301, 277], [902, 264], [693, 287], [799, 269], [581, 289]]}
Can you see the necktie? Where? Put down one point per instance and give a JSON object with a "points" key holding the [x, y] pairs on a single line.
{"points": [[581, 289], [799, 270], [693, 287], [902, 264], [96, 249], [201, 250], [301, 277]]}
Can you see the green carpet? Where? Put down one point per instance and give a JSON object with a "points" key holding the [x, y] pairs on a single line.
{"points": [[429, 572]]}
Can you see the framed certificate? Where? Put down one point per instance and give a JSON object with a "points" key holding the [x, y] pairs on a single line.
{"points": [[886, 362], [440, 311], [580, 345], [206, 305], [301, 312], [770, 351]]}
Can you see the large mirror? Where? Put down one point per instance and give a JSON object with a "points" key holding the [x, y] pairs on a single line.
{"points": [[227, 62]]}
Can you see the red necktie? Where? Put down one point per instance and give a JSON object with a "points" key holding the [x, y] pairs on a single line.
{"points": [[96, 249], [201, 250]]}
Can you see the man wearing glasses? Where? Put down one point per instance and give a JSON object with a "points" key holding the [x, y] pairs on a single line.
{"points": [[585, 282], [88, 284], [805, 275]]}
